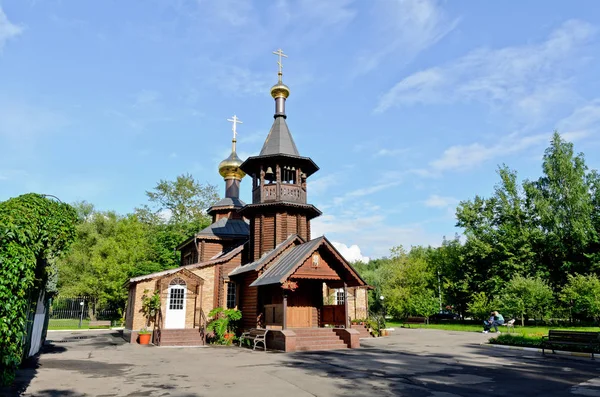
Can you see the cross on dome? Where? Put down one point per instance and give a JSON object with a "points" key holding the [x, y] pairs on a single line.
{"points": [[235, 122], [280, 53]]}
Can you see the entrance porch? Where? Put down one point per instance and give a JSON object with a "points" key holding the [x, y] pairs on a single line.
{"points": [[305, 304]]}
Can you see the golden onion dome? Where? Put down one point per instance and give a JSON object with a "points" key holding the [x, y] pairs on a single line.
{"points": [[280, 90], [230, 167]]}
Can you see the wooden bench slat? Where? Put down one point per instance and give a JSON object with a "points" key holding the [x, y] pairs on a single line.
{"points": [[584, 339]]}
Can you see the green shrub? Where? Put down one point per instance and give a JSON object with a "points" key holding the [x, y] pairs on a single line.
{"points": [[224, 321]]}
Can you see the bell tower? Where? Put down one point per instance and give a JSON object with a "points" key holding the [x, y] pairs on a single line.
{"points": [[279, 201]]}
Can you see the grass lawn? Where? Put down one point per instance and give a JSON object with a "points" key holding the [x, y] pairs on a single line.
{"points": [[521, 336], [530, 331], [58, 324]]}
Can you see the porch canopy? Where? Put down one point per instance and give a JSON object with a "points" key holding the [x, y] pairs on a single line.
{"points": [[295, 286]]}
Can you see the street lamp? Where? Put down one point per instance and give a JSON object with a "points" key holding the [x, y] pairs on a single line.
{"points": [[381, 298], [81, 315]]}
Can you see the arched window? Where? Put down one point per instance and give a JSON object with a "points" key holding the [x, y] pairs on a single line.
{"points": [[177, 281]]}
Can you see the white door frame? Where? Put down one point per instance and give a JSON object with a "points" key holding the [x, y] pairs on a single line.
{"points": [[175, 308]]}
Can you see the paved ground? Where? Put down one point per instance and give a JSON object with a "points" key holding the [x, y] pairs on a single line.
{"points": [[417, 362]]}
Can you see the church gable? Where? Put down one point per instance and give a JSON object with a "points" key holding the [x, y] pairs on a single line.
{"points": [[316, 267]]}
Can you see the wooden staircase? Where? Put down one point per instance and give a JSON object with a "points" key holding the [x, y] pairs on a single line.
{"points": [[180, 337], [363, 330], [308, 339]]}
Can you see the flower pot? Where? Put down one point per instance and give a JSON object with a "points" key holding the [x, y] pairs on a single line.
{"points": [[145, 339], [384, 332]]}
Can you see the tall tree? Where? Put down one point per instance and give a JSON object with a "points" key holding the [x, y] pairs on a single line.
{"points": [[564, 210], [182, 201]]}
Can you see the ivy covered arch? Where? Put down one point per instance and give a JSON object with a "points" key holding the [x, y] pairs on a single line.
{"points": [[34, 230]]}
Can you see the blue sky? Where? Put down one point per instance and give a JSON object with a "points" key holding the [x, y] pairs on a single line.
{"points": [[407, 106]]}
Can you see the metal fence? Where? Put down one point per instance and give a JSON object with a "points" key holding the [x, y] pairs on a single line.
{"points": [[79, 310]]}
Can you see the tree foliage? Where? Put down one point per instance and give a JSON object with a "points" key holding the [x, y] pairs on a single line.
{"points": [[527, 297], [112, 248], [582, 295], [519, 248], [34, 231]]}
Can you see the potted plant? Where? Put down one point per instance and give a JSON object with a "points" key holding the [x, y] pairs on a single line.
{"points": [[223, 324], [144, 336], [150, 308]]}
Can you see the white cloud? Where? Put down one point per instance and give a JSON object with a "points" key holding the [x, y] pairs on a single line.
{"points": [[372, 231], [320, 185], [404, 28], [146, 98], [352, 253], [8, 30], [584, 121], [390, 152], [463, 157], [365, 191], [527, 79], [436, 201]]}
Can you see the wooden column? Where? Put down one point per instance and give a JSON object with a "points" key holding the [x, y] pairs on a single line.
{"points": [[346, 321], [284, 310]]}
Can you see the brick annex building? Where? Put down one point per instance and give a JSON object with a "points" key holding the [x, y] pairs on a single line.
{"points": [[260, 258]]}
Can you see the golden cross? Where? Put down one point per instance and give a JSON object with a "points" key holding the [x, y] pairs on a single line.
{"points": [[280, 53], [235, 122]]}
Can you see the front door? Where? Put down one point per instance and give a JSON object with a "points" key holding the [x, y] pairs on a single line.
{"points": [[175, 317]]}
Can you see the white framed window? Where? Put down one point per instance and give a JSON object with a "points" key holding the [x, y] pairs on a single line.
{"points": [[339, 296], [231, 295]]}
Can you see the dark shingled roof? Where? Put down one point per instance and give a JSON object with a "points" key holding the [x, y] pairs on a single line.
{"points": [[279, 140], [287, 264], [257, 264], [228, 202], [226, 228], [222, 257]]}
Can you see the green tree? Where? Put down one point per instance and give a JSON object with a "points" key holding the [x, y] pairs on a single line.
{"points": [[527, 297], [564, 209], [108, 250], [582, 294], [454, 274], [481, 306], [177, 211], [182, 201], [408, 283]]}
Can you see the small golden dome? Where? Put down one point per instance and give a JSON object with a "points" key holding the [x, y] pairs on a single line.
{"points": [[230, 167], [280, 90]]}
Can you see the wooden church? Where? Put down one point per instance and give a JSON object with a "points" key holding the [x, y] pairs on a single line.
{"points": [[260, 258]]}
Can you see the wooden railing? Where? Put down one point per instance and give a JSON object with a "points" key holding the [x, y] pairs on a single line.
{"points": [[282, 191]]}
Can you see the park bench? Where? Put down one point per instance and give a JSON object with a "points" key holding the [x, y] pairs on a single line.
{"points": [[510, 325], [100, 323], [256, 335], [587, 340], [415, 320]]}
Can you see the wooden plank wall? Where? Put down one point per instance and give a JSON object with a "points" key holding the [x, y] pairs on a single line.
{"points": [[249, 301]]}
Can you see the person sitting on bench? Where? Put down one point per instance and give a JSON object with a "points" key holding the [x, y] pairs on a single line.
{"points": [[495, 320]]}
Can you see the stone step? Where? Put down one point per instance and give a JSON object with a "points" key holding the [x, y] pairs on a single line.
{"points": [[321, 343], [181, 331], [334, 338], [321, 347], [180, 343], [314, 333], [177, 339]]}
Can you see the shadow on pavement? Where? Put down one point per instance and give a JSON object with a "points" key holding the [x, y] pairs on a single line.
{"points": [[478, 372]]}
